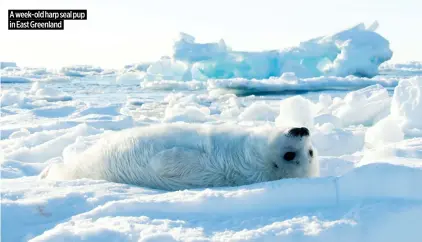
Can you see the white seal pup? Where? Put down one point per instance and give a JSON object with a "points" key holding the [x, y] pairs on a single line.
{"points": [[182, 156]]}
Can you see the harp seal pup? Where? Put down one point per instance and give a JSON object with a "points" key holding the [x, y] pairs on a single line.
{"points": [[184, 156]]}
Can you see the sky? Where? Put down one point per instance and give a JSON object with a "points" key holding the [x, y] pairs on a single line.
{"points": [[122, 32]]}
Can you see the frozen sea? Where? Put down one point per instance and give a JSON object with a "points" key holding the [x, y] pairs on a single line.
{"points": [[365, 193], [367, 130]]}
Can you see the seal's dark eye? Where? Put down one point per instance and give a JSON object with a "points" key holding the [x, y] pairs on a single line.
{"points": [[311, 153], [289, 156]]}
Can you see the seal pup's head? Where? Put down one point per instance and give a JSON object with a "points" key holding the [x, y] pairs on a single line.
{"points": [[292, 154], [288, 153]]}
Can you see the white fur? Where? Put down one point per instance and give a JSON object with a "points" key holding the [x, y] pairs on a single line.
{"points": [[181, 156]]}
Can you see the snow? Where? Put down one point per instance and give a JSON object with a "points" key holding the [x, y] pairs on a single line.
{"points": [[37, 92], [31, 74], [269, 211], [9, 98], [259, 111], [289, 115], [363, 106], [328, 119], [185, 109], [331, 141], [167, 69], [34, 148], [377, 135], [372, 187], [405, 153], [49, 94], [188, 114], [130, 78], [366, 131], [407, 103]]}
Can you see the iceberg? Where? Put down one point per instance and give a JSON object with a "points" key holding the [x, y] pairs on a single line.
{"points": [[357, 51]]}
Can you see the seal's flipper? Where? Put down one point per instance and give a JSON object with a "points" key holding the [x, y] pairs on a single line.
{"points": [[177, 162]]}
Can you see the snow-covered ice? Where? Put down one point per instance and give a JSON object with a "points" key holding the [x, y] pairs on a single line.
{"points": [[289, 115], [130, 78], [366, 129], [407, 103], [377, 135], [364, 187]]}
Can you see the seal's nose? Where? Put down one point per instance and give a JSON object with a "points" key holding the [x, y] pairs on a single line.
{"points": [[299, 132]]}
